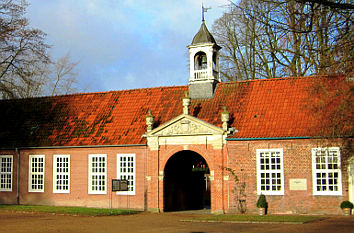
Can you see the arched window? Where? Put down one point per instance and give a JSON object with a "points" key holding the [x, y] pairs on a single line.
{"points": [[200, 61]]}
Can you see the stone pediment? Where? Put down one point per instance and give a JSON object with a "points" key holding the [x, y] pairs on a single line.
{"points": [[185, 125]]}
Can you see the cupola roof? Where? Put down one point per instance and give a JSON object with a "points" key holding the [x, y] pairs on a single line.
{"points": [[203, 36]]}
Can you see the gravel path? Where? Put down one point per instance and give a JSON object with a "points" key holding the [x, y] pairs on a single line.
{"points": [[13, 222]]}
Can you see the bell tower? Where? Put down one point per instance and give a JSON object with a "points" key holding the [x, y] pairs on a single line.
{"points": [[204, 63]]}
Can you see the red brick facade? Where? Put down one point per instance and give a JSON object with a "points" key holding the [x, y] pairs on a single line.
{"points": [[78, 195], [297, 160], [238, 155]]}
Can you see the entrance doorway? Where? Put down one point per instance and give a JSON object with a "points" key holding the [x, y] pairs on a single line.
{"points": [[186, 182]]}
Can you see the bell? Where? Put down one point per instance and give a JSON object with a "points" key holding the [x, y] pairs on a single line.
{"points": [[204, 62]]}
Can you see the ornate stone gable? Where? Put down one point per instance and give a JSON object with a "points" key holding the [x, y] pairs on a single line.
{"points": [[186, 125], [185, 130]]}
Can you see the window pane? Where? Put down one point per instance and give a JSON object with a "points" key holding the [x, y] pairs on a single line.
{"points": [[126, 170], [98, 173], [36, 173], [62, 171], [6, 172], [327, 163], [269, 162]]}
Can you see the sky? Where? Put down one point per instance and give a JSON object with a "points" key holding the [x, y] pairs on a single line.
{"points": [[123, 44]]}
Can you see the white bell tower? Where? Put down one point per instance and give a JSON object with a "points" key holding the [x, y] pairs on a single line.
{"points": [[204, 63]]}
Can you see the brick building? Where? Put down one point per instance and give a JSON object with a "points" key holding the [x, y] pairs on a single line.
{"points": [[179, 146]]}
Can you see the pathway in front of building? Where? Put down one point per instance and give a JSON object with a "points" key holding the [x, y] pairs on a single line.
{"points": [[16, 222]]}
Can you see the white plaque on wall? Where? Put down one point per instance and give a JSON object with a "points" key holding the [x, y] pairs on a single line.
{"points": [[298, 184]]}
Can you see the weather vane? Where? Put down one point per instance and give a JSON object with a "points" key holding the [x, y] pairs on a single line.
{"points": [[204, 9]]}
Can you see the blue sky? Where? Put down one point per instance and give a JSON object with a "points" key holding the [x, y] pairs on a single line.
{"points": [[123, 44]]}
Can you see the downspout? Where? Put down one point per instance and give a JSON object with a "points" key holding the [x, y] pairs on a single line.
{"points": [[222, 179], [146, 201], [228, 183], [158, 176], [18, 177]]}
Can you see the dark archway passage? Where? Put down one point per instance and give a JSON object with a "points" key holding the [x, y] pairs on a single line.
{"points": [[186, 182]]}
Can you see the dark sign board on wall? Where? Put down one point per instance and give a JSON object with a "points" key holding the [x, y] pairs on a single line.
{"points": [[119, 185]]}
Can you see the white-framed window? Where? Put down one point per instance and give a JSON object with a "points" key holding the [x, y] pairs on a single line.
{"points": [[36, 173], [326, 172], [97, 174], [6, 166], [126, 170], [61, 173], [270, 172]]}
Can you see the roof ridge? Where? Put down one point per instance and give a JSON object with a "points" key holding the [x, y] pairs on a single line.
{"points": [[283, 78], [98, 92]]}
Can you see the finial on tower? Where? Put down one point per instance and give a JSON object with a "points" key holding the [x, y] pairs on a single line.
{"points": [[204, 9]]}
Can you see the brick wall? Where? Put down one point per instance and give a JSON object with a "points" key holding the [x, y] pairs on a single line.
{"points": [[78, 195], [237, 155], [297, 159]]}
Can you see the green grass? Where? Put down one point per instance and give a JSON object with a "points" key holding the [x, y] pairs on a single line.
{"points": [[257, 218], [68, 210]]}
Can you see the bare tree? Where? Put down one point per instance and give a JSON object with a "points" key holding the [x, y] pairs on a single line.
{"points": [[265, 39], [26, 69], [23, 51], [64, 76], [336, 4], [57, 78]]}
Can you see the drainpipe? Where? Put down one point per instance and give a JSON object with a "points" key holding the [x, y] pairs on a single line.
{"points": [[158, 177], [228, 183], [18, 177], [222, 180], [145, 179]]}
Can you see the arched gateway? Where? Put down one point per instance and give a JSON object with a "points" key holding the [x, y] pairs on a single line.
{"points": [[186, 182], [181, 181]]}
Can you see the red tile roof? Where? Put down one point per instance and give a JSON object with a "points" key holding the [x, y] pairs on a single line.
{"points": [[286, 107]]}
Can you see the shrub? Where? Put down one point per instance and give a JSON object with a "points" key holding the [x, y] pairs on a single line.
{"points": [[346, 204], [262, 202]]}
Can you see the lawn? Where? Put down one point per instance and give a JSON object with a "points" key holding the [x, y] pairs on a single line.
{"points": [[257, 218], [68, 210]]}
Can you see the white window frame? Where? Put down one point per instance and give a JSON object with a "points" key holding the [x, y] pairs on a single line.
{"points": [[30, 173], [4, 174], [98, 173], [270, 172], [121, 173], [63, 171], [326, 171]]}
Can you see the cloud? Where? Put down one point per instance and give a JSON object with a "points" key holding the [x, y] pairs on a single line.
{"points": [[138, 42]]}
